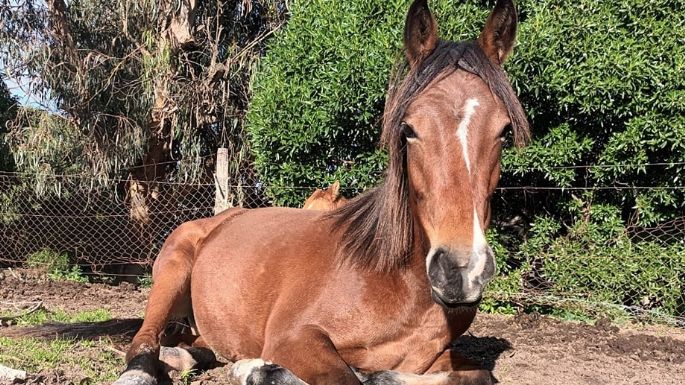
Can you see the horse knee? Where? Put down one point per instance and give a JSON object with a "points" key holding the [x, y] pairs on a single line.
{"points": [[141, 370], [142, 345]]}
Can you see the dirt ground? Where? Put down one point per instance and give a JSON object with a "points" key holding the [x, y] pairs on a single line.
{"points": [[521, 350]]}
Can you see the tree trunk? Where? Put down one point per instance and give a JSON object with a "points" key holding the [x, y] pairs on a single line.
{"points": [[176, 28]]}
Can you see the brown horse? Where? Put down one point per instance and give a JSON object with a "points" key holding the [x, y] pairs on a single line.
{"points": [[375, 290], [327, 199]]}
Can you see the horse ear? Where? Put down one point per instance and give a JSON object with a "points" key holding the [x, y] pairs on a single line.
{"points": [[499, 34], [335, 189], [420, 32]]}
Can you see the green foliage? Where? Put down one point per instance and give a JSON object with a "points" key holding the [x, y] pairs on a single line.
{"points": [[593, 261], [47, 143], [145, 281], [611, 72], [134, 83], [42, 316], [96, 360], [35, 355], [602, 82], [48, 260], [74, 274], [603, 85], [597, 261], [7, 112], [56, 265], [186, 376]]}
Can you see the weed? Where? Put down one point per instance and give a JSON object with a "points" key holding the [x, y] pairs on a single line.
{"points": [[56, 265], [186, 376], [145, 281]]}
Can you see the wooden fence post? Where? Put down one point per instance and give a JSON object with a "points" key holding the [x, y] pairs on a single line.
{"points": [[221, 201]]}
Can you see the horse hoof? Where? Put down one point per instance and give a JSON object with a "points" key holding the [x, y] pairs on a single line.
{"points": [[241, 370], [260, 372], [177, 358], [135, 377]]}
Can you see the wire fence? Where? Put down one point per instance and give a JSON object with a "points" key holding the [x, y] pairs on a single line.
{"points": [[99, 227], [109, 231]]}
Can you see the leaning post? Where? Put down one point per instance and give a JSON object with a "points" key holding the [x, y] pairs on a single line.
{"points": [[221, 201]]}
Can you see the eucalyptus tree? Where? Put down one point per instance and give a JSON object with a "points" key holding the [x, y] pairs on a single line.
{"points": [[138, 90]]}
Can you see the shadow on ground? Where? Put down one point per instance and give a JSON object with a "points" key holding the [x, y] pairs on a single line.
{"points": [[483, 350]]}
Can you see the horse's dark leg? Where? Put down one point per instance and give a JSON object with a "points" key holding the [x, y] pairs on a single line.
{"points": [[169, 299], [305, 357]]}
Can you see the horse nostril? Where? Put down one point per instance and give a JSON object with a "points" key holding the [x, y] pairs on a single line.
{"points": [[439, 254], [436, 269]]}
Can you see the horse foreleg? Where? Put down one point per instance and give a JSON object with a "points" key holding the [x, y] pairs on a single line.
{"points": [[449, 368], [191, 353], [169, 299], [304, 357], [260, 372], [444, 378]]}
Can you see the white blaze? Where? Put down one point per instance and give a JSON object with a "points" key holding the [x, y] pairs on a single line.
{"points": [[463, 129], [477, 265]]}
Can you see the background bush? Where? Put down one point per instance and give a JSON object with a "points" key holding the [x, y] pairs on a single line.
{"points": [[603, 83]]}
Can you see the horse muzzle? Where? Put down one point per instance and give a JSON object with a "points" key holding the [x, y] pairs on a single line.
{"points": [[458, 279]]}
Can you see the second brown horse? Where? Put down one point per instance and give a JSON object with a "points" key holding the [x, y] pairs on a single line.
{"points": [[375, 290]]}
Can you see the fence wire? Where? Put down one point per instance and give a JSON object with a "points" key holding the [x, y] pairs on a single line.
{"points": [[103, 231], [98, 227]]}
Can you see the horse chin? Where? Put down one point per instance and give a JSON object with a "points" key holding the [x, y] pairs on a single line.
{"points": [[455, 306]]}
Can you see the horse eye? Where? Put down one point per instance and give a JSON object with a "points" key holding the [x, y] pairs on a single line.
{"points": [[407, 130]]}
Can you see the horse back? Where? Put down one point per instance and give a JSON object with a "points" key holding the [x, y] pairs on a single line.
{"points": [[251, 266], [181, 245]]}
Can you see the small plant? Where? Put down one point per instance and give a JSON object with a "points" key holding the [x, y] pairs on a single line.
{"points": [[73, 275], [48, 260], [145, 281], [56, 265], [186, 376]]}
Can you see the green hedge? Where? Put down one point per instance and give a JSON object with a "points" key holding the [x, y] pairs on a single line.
{"points": [[603, 82], [597, 261], [319, 93]]}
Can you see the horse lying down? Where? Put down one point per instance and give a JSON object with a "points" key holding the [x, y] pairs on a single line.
{"points": [[177, 351], [375, 290]]}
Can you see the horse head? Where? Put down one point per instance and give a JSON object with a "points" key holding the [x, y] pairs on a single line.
{"points": [[324, 200], [443, 126]]}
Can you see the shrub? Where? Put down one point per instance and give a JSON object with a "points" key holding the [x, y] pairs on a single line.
{"points": [[319, 93], [598, 262], [602, 82], [56, 265], [48, 260]]}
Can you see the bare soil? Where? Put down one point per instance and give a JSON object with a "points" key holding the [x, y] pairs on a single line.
{"points": [[526, 349]]}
